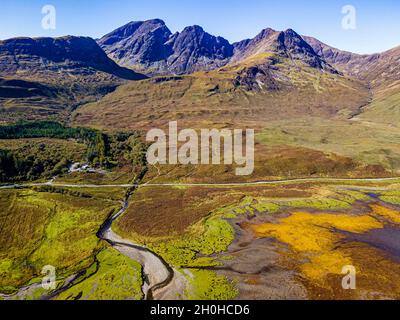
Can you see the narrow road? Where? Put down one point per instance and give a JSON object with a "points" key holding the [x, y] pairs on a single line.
{"points": [[232, 184]]}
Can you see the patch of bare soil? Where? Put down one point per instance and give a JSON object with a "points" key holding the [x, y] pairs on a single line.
{"points": [[257, 270]]}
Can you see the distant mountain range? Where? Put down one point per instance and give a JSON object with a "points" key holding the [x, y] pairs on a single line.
{"points": [[46, 75], [150, 47]]}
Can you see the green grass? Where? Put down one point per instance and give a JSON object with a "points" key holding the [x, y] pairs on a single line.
{"points": [[203, 245], [369, 143], [251, 205], [390, 196], [39, 229], [208, 237], [117, 278], [384, 108], [206, 285], [59, 228], [340, 200]]}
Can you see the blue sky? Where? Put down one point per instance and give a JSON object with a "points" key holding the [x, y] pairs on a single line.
{"points": [[378, 22]]}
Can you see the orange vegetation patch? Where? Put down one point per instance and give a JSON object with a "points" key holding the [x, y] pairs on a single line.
{"points": [[319, 251], [386, 213]]}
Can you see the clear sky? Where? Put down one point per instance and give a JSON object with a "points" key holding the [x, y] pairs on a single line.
{"points": [[377, 29]]}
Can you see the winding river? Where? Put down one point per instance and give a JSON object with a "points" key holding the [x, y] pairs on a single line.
{"points": [[158, 273]]}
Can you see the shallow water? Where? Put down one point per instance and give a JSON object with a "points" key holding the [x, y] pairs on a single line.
{"points": [[374, 195], [386, 239]]}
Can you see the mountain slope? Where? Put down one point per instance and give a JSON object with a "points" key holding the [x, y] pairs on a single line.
{"points": [[73, 70], [287, 102], [276, 75], [384, 78], [380, 71], [254, 91], [71, 55], [350, 63]]}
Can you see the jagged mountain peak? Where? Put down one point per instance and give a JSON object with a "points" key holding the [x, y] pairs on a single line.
{"points": [[195, 28], [294, 46], [291, 37], [132, 27], [196, 50], [151, 47], [287, 43], [291, 32], [242, 46], [136, 43], [197, 38], [265, 33]]}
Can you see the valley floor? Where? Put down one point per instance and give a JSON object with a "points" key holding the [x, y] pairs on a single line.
{"points": [[271, 240]]}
